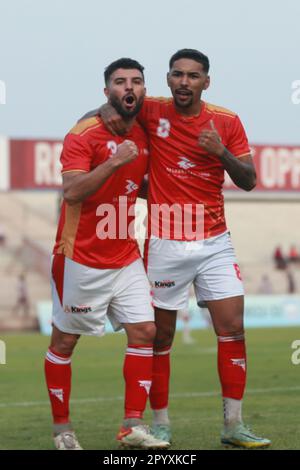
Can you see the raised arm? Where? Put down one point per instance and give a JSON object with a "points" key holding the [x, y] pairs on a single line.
{"points": [[89, 114], [111, 118], [241, 170], [78, 185]]}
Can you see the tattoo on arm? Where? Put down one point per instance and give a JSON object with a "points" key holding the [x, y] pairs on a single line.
{"points": [[241, 170]]}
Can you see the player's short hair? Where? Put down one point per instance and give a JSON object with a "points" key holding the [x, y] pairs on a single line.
{"points": [[190, 54], [123, 63]]}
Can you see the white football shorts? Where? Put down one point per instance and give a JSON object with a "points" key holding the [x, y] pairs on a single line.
{"points": [[84, 296], [173, 266]]}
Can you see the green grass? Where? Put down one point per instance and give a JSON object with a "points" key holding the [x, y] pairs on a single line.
{"points": [[271, 405]]}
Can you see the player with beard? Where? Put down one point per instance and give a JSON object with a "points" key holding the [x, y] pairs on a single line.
{"points": [[192, 143], [96, 272]]}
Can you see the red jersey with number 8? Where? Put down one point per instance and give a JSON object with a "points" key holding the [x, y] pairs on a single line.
{"points": [[183, 173]]}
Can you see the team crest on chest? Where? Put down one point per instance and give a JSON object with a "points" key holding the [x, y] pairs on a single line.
{"points": [[113, 147]]}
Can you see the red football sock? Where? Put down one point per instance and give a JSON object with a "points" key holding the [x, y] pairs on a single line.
{"points": [[159, 393], [58, 377], [232, 366], [137, 372]]}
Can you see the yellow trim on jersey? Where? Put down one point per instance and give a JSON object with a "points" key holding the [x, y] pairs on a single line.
{"points": [[70, 171], [68, 236], [219, 110], [160, 99], [244, 155], [83, 126]]}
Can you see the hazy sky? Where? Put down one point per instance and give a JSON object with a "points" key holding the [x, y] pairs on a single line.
{"points": [[52, 56]]}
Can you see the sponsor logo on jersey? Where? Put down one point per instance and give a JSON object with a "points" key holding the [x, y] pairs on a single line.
{"points": [[131, 186], [58, 393], [164, 284], [184, 168], [239, 362], [79, 309], [185, 163], [205, 176], [146, 384]]}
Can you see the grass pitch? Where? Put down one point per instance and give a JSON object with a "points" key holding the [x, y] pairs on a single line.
{"points": [[271, 404]]}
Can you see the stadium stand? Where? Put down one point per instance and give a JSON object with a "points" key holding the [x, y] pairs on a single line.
{"points": [[29, 219], [30, 223], [257, 227]]}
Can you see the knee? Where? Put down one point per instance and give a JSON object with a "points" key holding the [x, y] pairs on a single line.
{"points": [[148, 332], [141, 333], [235, 329], [164, 336], [64, 344]]}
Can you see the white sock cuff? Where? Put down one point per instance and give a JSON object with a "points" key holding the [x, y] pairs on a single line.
{"points": [[162, 353], [228, 339], [55, 359], [146, 351]]}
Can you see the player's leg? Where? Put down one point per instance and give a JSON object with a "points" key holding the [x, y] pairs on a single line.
{"points": [[220, 285], [137, 370], [58, 378], [171, 268], [165, 321], [227, 319], [131, 309], [58, 358], [77, 309]]}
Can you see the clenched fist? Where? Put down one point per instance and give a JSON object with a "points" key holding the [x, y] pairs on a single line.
{"points": [[127, 152]]}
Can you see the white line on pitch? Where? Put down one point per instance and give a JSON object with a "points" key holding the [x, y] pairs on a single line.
{"points": [[174, 396]]}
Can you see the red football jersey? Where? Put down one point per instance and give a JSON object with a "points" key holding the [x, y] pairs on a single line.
{"points": [[183, 173], [95, 231]]}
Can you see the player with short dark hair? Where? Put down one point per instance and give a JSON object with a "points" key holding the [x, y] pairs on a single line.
{"points": [[192, 54], [192, 144], [123, 63], [96, 269]]}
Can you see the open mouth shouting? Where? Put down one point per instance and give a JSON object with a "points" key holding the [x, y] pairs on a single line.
{"points": [[129, 101]]}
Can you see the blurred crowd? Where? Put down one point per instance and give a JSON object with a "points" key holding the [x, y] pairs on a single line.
{"points": [[286, 262], [282, 260]]}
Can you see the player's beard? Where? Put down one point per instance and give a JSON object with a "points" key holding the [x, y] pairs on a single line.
{"points": [[125, 113]]}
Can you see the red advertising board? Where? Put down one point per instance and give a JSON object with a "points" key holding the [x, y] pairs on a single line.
{"points": [[277, 167], [35, 164]]}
